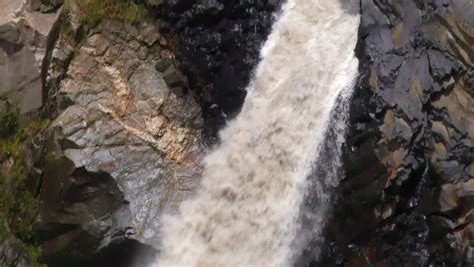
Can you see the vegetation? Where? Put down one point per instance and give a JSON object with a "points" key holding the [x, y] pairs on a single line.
{"points": [[17, 204], [94, 11]]}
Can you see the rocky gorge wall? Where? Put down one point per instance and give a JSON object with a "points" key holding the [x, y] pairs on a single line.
{"points": [[217, 44], [123, 144], [27, 29], [128, 127], [136, 106], [407, 197]]}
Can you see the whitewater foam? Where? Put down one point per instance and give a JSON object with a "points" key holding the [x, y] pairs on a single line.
{"points": [[246, 211]]}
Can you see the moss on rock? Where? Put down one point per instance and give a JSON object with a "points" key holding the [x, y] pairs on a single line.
{"points": [[18, 205], [92, 12]]}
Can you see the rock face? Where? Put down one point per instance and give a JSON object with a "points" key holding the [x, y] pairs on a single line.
{"points": [[27, 29], [127, 139], [407, 198], [126, 143], [124, 148], [218, 45], [11, 250]]}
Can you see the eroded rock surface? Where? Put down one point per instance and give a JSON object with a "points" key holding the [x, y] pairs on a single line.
{"points": [[407, 196], [125, 147]]}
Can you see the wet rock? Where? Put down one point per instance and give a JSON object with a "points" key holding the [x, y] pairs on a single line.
{"points": [[25, 37], [218, 45], [415, 87], [448, 198], [173, 78]]}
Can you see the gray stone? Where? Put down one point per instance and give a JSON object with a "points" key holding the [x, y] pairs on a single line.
{"points": [[149, 32], [414, 103], [173, 77], [143, 53], [163, 64], [24, 37], [125, 127], [12, 251], [467, 189]]}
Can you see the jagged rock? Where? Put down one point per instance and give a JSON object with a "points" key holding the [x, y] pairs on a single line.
{"points": [[45, 6], [448, 198], [123, 150], [467, 189], [416, 70], [25, 37], [127, 142], [218, 45]]}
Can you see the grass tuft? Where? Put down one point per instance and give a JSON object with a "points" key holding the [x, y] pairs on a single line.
{"points": [[93, 12]]}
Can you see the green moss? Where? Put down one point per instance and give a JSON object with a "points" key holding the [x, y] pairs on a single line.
{"points": [[94, 11], [17, 204]]}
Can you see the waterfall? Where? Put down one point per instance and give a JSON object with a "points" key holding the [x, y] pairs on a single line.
{"points": [[248, 208]]}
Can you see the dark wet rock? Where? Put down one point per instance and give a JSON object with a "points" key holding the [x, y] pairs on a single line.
{"points": [[218, 45], [413, 112]]}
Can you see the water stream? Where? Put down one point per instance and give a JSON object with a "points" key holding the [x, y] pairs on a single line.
{"points": [[247, 211]]}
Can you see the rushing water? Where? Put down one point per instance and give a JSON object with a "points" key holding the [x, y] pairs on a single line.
{"points": [[247, 211]]}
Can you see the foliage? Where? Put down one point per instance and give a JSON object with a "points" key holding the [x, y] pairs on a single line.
{"points": [[94, 11], [8, 120], [18, 205]]}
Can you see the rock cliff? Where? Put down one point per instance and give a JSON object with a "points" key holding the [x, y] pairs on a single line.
{"points": [[134, 106], [217, 44], [407, 197], [124, 147], [124, 144], [27, 30]]}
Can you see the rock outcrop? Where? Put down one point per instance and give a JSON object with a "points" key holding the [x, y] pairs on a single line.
{"points": [[407, 199], [134, 105], [217, 44], [124, 148], [27, 30]]}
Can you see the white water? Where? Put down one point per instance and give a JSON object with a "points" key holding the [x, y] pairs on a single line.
{"points": [[247, 210]]}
